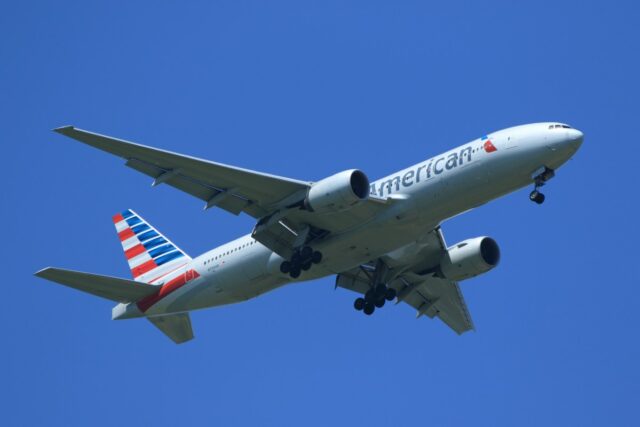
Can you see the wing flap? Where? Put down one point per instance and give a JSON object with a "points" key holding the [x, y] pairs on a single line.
{"points": [[111, 288], [175, 326], [442, 298]]}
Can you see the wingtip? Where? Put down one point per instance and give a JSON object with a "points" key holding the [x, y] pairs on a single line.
{"points": [[64, 129], [42, 272]]}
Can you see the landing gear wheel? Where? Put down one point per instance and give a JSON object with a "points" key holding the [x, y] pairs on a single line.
{"points": [[316, 257], [285, 267], [381, 289], [380, 302], [295, 258], [537, 197], [390, 294], [306, 252], [358, 304], [370, 295], [368, 308], [295, 272], [306, 266]]}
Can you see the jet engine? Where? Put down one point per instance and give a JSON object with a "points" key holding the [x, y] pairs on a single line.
{"points": [[470, 258], [338, 192]]}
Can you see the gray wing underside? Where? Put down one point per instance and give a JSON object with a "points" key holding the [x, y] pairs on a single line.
{"points": [[418, 285], [230, 188], [429, 295]]}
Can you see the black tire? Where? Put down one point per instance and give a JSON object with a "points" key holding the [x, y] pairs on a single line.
{"points": [[306, 252], [390, 294], [285, 267], [370, 295], [368, 308], [381, 289], [358, 304], [534, 195], [295, 258], [539, 199], [306, 266], [295, 272], [380, 302], [316, 257]]}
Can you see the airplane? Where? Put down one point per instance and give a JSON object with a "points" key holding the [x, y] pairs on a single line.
{"points": [[381, 239]]}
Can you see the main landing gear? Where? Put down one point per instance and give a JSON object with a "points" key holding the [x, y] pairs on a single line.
{"points": [[540, 178], [375, 297], [302, 260]]}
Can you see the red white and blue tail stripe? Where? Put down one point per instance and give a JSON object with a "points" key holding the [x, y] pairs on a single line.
{"points": [[150, 254]]}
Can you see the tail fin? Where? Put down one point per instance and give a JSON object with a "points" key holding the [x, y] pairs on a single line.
{"points": [[150, 254]]}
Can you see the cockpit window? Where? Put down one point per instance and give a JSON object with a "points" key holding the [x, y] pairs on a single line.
{"points": [[559, 126]]}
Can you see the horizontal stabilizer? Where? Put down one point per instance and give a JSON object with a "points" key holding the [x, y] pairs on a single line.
{"points": [[175, 326], [112, 288]]}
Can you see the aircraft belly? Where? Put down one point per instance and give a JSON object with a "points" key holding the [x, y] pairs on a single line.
{"points": [[352, 249]]}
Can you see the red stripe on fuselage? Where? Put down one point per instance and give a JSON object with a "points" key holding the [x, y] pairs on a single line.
{"points": [[172, 285], [134, 251], [143, 268], [125, 234]]}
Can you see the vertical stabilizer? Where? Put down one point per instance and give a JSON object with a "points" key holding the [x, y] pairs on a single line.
{"points": [[149, 253]]}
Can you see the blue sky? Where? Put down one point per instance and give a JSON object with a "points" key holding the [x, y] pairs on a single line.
{"points": [[307, 89]]}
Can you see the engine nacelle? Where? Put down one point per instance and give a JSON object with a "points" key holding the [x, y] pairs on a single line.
{"points": [[338, 192], [470, 258]]}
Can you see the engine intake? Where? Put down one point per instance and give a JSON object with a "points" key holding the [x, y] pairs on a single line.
{"points": [[470, 258], [338, 192]]}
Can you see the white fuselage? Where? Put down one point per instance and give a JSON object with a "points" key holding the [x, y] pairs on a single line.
{"points": [[424, 195]]}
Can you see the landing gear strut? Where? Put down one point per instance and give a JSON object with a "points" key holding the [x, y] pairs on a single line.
{"points": [[301, 260], [540, 178]]}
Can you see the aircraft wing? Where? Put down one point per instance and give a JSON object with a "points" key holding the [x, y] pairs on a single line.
{"points": [[419, 286], [272, 199], [230, 188]]}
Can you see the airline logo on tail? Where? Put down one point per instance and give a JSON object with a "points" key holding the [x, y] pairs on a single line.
{"points": [[150, 254]]}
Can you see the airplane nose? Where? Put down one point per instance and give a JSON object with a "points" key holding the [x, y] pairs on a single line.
{"points": [[575, 135], [574, 138]]}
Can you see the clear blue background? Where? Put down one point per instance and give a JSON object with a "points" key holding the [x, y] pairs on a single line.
{"points": [[306, 89]]}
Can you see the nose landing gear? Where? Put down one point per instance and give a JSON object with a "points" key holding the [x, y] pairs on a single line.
{"points": [[540, 178]]}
